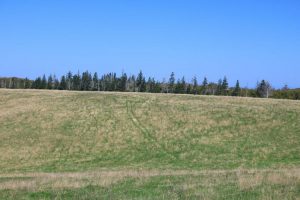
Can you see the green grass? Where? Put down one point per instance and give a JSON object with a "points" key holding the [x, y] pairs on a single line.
{"points": [[45, 133]]}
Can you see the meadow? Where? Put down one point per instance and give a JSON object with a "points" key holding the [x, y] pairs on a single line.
{"points": [[110, 145]]}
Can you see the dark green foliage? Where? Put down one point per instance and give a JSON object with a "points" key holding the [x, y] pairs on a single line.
{"points": [[263, 89], [195, 86], [76, 82], [56, 83], [50, 82], [69, 80], [141, 82], [219, 87], [44, 82], [204, 86], [27, 83], [237, 89], [63, 83], [122, 82], [95, 83], [180, 87], [86, 81], [111, 82], [171, 85], [224, 87]]}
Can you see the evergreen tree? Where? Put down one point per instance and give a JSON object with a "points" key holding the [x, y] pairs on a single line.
{"points": [[183, 86], [141, 82], [177, 87], [86, 81], [151, 85], [195, 86], [224, 90], [69, 80], [37, 84], [171, 86], [95, 82], [123, 82], [219, 87], [263, 89], [189, 89], [27, 83], [43, 82], [204, 86], [237, 89], [63, 83], [76, 81], [50, 82], [56, 83]]}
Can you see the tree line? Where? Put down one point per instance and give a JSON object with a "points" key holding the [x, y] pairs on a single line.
{"points": [[87, 81]]}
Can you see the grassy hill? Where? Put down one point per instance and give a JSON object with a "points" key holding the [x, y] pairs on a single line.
{"points": [[85, 145]]}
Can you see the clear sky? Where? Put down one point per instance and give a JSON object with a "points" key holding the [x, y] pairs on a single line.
{"points": [[247, 40]]}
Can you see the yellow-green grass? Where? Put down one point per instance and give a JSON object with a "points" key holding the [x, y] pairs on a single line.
{"points": [[62, 144]]}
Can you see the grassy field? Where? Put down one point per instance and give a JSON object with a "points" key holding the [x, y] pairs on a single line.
{"points": [[94, 145]]}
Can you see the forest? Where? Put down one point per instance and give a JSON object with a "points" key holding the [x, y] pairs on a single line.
{"points": [[88, 81]]}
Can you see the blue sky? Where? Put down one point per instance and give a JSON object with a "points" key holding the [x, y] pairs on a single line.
{"points": [[247, 40]]}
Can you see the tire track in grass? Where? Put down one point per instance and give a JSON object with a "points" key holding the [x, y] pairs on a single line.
{"points": [[146, 133]]}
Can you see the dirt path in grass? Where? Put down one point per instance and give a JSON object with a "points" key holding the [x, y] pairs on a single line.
{"points": [[146, 133], [104, 178]]}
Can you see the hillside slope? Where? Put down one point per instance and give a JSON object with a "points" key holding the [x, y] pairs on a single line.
{"points": [[78, 134]]}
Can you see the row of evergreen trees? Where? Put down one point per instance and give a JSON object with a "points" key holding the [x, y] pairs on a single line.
{"points": [[87, 81], [111, 82]]}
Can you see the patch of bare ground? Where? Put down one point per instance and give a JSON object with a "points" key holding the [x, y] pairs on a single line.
{"points": [[247, 178]]}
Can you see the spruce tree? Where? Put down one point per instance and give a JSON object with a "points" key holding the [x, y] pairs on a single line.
{"points": [[123, 82], [224, 86], [50, 82], [56, 83], [141, 82], [195, 85], [183, 86], [171, 85], [177, 87], [95, 82], [43, 82], [263, 89], [69, 80], [204, 86], [27, 83], [76, 81], [63, 83], [219, 87], [237, 89], [86, 81]]}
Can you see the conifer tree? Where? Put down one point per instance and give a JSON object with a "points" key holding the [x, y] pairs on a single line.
{"points": [[76, 81], [141, 82], [263, 89], [189, 89], [224, 87], [219, 87], [56, 83], [95, 82], [50, 82], [204, 86], [177, 87], [69, 80], [43, 82], [86, 81], [237, 89], [195, 86], [171, 85], [27, 83], [183, 86], [123, 82], [63, 83]]}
